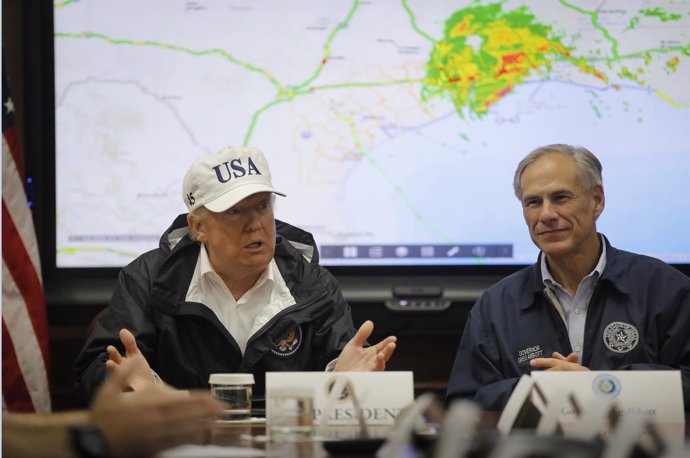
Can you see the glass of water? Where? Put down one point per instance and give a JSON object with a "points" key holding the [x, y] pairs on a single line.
{"points": [[290, 414], [235, 392]]}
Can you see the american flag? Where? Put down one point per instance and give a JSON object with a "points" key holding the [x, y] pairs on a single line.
{"points": [[24, 322]]}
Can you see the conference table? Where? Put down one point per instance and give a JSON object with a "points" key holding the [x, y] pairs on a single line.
{"points": [[335, 440]]}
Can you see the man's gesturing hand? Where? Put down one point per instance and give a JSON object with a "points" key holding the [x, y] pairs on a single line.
{"points": [[356, 357], [139, 374]]}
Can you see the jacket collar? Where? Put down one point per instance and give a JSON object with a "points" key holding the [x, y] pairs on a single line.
{"points": [[617, 266], [181, 253], [614, 274]]}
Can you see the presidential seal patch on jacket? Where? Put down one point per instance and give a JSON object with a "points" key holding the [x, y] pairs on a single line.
{"points": [[289, 344]]}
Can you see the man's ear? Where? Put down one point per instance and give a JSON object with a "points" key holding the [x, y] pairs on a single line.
{"points": [[599, 200], [196, 227]]}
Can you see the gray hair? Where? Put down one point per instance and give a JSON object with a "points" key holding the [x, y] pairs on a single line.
{"points": [[198, 215], [588, 166]]}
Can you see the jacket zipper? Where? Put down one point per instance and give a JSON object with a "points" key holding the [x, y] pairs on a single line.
{"points": [[559, 310]]}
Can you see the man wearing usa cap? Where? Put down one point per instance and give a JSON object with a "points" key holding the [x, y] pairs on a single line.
{"points": [[229, 289]]}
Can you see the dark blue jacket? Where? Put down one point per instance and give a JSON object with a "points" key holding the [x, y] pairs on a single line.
{"points": [[514, 321]]}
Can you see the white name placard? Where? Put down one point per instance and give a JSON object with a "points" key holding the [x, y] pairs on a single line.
{"points": [[381, 395], [654, 396]]}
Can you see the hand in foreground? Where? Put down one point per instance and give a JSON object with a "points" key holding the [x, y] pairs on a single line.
{"points": [[356, 357], [558, 362], [140, 374], [153, 419]]}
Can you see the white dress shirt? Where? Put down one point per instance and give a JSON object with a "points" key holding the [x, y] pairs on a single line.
{"points": [[573, 309], [246, 315]]}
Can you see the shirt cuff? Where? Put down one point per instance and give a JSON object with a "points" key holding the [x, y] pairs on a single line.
{"points": [[330, 367]]}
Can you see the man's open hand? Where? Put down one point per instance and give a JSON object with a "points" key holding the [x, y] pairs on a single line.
{"points": [[139, 373], [356, 357]]}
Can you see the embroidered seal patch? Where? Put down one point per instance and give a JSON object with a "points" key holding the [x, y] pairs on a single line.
{"points": [[621, 337], [288, 344]]}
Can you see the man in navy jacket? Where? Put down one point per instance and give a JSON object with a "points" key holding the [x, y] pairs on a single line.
{"points": [[584, 304]]}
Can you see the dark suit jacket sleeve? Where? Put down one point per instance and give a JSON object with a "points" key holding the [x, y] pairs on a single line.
{"points": [[673, 322], [336, 328], [127, 309], [476, 373]]}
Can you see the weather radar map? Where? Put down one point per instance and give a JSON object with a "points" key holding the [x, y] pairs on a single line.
{"points": [[394, 127]]}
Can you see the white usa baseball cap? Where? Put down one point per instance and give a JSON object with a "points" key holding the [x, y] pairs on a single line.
{"points": [[219, 181]]}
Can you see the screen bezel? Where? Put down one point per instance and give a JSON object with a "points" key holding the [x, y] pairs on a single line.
{"points": [[60, 283]]}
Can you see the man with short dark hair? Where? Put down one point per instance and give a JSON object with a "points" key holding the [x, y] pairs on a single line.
{"points": [[229, 289], [584, 304]]}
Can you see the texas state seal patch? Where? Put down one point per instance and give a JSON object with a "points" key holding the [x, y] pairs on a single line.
{"points": [[288, 344], [621, 337]]}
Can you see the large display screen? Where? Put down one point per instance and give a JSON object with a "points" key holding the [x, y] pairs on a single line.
{"points": [[394, 127]]}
